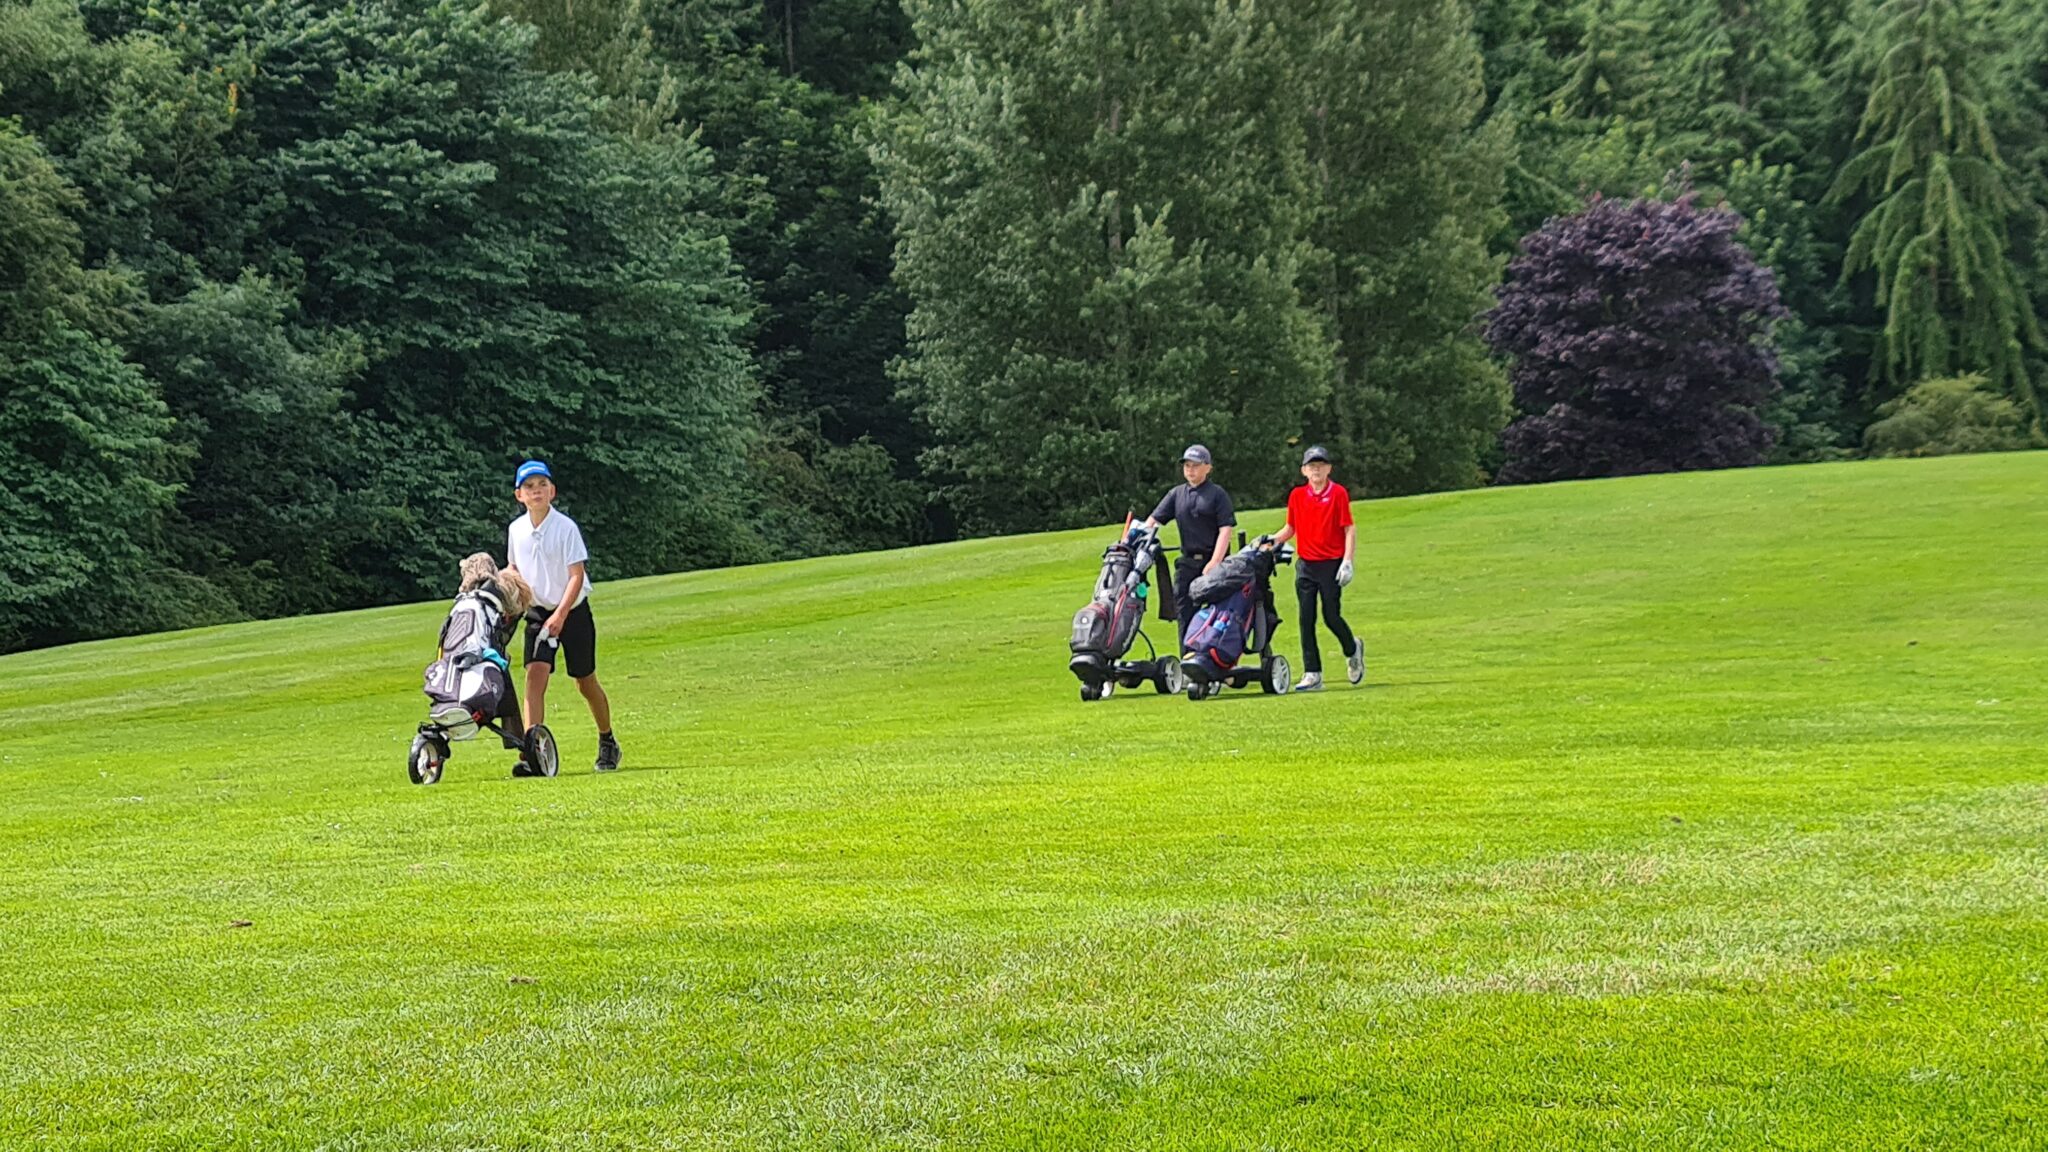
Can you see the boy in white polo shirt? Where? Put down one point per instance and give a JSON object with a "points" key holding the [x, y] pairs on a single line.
{"points": [[546, 548]]}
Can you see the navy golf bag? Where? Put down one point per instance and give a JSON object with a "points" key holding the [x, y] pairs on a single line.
{"points": [[1237, 618], [1217, 636]]}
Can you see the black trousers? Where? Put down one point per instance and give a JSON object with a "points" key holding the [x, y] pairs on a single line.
{"points": [[1186, 567], [1316, 580]]}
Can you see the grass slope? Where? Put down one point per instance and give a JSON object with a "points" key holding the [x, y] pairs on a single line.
{"points": [[1689, 811]]}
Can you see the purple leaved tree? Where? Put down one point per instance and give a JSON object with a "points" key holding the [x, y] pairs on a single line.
{"points": [[1640, 338]]}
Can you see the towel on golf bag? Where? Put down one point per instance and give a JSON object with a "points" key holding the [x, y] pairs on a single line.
{"points": [[1217, 634], [1234, 572]]}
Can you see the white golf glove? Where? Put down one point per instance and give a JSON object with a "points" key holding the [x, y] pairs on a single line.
{"points": [[1344, 574]]}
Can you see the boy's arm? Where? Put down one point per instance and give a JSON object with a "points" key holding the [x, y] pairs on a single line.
{"points": [[569, 595], [1286, 531], [1222, 548], [1163, 511]]}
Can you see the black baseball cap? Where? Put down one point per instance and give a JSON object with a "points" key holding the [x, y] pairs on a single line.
{"points": [[1314, 453], [1196, 453]]}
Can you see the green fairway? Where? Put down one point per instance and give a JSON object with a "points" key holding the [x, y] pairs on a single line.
{"points": [[1703, 811]]}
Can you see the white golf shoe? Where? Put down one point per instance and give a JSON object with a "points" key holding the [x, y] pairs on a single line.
{"points": [[1310, 682], [1355, 663]]}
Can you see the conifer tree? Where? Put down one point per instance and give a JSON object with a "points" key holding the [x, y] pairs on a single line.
{"points": [[1408, 187], [1102, 215], [1939, 196]]}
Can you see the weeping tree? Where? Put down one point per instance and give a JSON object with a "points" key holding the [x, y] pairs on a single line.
{"points": [[1939, 200]]}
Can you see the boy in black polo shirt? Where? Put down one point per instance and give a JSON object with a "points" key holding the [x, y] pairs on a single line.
{"points": [[1205, 516]]}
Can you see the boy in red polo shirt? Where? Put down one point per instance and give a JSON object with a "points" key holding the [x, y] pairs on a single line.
{"points": [[1319, 512]]}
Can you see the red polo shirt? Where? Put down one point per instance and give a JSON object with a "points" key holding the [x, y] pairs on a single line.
{"points": [[1319, 520]]}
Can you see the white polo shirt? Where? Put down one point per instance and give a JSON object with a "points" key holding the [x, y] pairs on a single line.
{"points": [[543, 552]]}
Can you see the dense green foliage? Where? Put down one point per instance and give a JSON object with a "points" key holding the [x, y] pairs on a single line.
{"points": [[1946, 417], [364, 257], [1937, 232], [291, 287], [1206, 228], [1888, 155], [1102, 218], [1701, 812]]}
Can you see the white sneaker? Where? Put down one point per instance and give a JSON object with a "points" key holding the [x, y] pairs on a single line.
{"points": [[1310, 682], [1355, 663]]}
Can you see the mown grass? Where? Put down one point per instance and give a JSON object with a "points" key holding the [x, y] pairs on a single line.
{"points": [[1693, 811]]}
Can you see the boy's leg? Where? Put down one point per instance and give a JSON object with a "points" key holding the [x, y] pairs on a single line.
{"points": [[579, 647], [1305, 597], [1333, 615], [600, 704], [1185, 570], [540, 662], [537, 693]]}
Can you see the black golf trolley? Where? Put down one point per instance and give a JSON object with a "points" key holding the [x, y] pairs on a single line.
{"points": [[466, 694], [1105, 629], [1232, 629]]}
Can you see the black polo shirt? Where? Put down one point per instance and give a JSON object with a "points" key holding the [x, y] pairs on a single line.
{"points": [[1201, 513]]}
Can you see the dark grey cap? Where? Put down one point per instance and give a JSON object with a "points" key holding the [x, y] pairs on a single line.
{"points": [[1196, 453], [1316, 452]]}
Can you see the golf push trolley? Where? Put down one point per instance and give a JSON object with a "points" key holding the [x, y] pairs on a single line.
{"points": [[1237, 620], [468, 693], [1115, 617]]}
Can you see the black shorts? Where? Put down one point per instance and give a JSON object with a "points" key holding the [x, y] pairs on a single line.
{"points": [[578, 640]]}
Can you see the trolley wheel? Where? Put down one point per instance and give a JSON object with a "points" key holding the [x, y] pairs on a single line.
{"points": [[1276, 682], [540, 750], [1171, 681], [1090, 692], [423, 764]]}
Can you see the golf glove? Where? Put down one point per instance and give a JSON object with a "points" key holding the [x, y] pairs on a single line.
{"points": [[1344, 574]]}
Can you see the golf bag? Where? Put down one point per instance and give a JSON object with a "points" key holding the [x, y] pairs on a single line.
{"points": [[1241, 618], [463, 692], [1217, 636], [1114, 619], [476, 624], [469, 689], [472, 682], [1104, 629], [1230, 574]]}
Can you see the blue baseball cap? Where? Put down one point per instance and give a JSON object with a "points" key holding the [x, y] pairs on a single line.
{"points": [[1196, 454], [529, 470]]}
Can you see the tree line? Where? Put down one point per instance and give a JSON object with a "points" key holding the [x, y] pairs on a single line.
{"points": [[286, 290]]}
